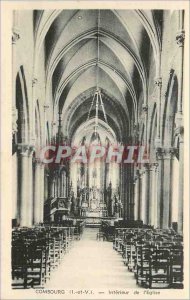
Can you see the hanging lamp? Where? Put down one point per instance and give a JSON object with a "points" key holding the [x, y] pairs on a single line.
{"points": [[97, 97]]}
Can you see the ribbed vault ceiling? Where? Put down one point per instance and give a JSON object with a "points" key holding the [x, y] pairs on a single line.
{"points": [[126, 41]]}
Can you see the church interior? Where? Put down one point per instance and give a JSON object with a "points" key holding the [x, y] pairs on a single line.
{"points": [[97, 77]]}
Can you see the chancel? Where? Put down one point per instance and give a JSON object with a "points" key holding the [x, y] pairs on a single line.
{"points": [[97, 148]]}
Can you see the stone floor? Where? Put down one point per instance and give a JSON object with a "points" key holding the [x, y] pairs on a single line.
{"points": [[92, 264]]}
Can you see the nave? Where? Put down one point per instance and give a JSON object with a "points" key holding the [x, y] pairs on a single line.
{"points": [[92, 264], [106, 82]]}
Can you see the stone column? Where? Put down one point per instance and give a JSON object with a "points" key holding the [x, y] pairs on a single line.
{"points": [[159, 208], [165, 180], [158, 83], [145, 110], [153, 195], [15, 38], [140, 197], [125, 191], [167, 196], [37, 193], [132, 196], [132, 202], [142, 189], [136, 196], [181, 186], [147, 192], [68, 185], [180, 37], [41, 193], [128, 195], [61, 184], [25, 185], [14, 186], [24, 188], [51, 188], [58, 184], [64, 188], [46, 188], [121, 186], [30, 184]]}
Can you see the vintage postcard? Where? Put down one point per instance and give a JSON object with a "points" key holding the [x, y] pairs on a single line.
{"points": [[94, 150]]}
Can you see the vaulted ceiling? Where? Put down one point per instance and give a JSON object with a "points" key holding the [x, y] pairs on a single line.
{"points": [[126, 38]]}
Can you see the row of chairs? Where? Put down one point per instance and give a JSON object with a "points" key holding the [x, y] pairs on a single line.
{"points": [[37, 251], [155, 256], [79, 226], [107, 228]]}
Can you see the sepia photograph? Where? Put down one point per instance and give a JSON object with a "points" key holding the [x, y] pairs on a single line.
{"points": [[98, 134]]}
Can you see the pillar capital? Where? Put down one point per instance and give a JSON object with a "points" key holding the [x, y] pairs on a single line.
{"points": [[31, 150], [135, 178], [180, 38], [15, 35], [137, 175], [150, 166], [140, 173], [165, 153], [169, 153], [158, 81], [154, 166], [147, 167], [25, 149], [159, 153], [38, 162]]}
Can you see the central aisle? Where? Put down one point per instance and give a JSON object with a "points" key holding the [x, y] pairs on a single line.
{"points": [[92, 264]]}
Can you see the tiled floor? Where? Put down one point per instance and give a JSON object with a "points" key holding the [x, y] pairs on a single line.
{"points": [[92, 264]]}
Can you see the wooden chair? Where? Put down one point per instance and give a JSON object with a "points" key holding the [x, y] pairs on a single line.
{"points": [[159, 268], [176, 266], [142, 264]]}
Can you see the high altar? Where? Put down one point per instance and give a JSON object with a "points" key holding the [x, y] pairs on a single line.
{"points": [[94, 205]]}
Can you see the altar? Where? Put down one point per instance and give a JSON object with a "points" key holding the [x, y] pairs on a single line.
{"points": [[94, 214], [93, 205]]}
